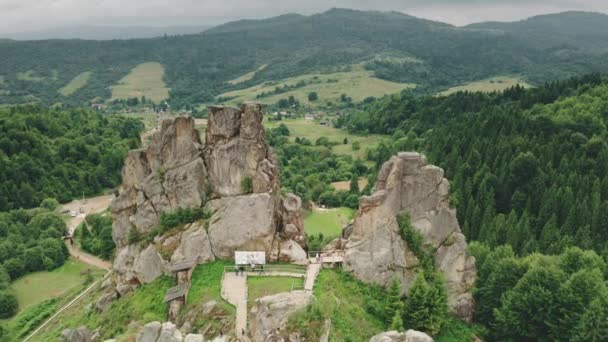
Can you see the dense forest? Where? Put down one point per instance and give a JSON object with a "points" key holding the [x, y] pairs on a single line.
{"points": [[46, 153], [394, 46], [528, 171]]}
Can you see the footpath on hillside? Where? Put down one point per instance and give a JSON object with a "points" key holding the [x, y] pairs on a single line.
{"points": [[88, 206]]}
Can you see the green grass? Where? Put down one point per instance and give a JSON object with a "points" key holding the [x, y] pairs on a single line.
{"points": [[312, 131], [357, 83], [29, 76], [488, 85], [328, 223], [144, 305], [247, 76], [37, 287], [76, 83], [258, 287], [146, 79], [344, 300]]}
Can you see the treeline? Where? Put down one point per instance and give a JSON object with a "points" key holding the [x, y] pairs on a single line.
{"points": [[30, 241], [46, 153], [527, 167], [95, 235]]}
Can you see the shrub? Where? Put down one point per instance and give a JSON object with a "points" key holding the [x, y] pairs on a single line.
{"points": [[247, 185], [8, 304], [356, 146]]}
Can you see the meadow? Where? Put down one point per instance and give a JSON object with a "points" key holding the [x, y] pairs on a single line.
{"points": [[327, 222], [312, 131], [489, 85], [76, 83], [357, 83], [258, 287], [247, 76], [146, 79]]}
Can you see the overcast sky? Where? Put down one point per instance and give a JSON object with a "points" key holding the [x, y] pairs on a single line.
{"points": [[28, 15]]}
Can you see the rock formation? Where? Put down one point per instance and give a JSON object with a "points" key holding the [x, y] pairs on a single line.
{"points": [[374, 249], [166, 332], [233, 174], [270, 313], [408, 336]]}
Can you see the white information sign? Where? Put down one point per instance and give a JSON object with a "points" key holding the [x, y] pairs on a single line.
{"points": [[248, 258]]}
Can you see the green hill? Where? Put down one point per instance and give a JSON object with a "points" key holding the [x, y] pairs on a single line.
{"points": [[394, 46]]}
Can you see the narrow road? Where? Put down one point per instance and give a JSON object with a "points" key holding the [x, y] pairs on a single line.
{"points": [[89, 206]]}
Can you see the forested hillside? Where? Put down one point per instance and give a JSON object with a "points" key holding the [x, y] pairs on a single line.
{"points": [[395, 46], [529, 174], [47, 153]]}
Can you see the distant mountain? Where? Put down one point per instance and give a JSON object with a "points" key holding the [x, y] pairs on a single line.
{"points": [[585, 30], [92, 32], [393, 45]]}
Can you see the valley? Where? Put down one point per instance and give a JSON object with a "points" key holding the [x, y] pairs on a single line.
{"points": [[346, 175]]}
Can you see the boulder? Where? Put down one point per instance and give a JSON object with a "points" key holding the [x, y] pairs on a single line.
{"points": [[286, 251], [408, 336], [194, 243], [148, 265], [150, 332], [105, 300], [270, 313], [375, 251], [194, 338], [169, 333], [81, 334]]}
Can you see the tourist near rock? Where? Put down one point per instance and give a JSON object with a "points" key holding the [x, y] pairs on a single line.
{"points": [[233, 175], [375, 251]]}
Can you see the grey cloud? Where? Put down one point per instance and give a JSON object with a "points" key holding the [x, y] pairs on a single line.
{"points": [[24, 15]]}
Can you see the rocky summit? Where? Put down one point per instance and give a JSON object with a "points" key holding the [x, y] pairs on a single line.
{"points": [[232, 174], [374, 249]]}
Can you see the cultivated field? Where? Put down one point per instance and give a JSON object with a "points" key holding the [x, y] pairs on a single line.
{"points": [[146, 80], [247, 76], [76, 83], [357, 84], [37, 287], [488, 85], [312, 131], [328, 222]]}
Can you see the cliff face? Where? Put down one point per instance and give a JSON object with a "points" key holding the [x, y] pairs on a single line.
{"points": [[375, 251], [177, 170]]}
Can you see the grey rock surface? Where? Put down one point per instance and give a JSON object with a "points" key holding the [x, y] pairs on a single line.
{"points": [[270, 313], [81, 334], [375, 251]]}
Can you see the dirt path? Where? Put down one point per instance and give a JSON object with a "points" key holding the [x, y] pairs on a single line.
{"points": [[234, 291], [89, 206]]}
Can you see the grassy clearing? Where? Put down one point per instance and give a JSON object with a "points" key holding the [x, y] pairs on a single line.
{"points": [[247, 76], [76, 83], [343, 300], [143, 305], [329, 223], [259, 287], [146, 80], [357, 84], [37, 287], [488, 85], [29, 76], [345, 185], [312, 131]]}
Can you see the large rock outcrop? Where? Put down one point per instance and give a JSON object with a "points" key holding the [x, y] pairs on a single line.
{"points": [[375, 251], [233, 174], [269, 314]]}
